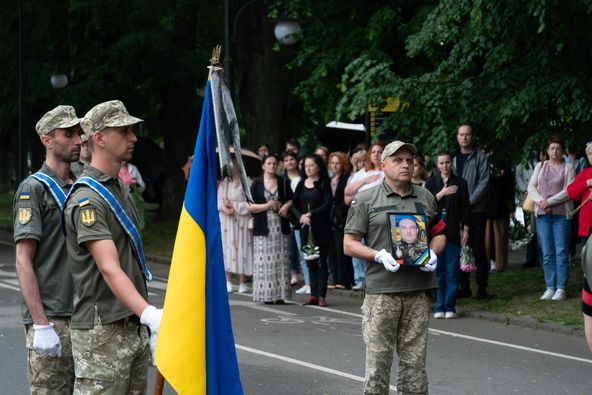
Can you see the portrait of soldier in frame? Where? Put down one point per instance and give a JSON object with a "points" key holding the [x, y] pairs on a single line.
{"points": [[409, 242]]}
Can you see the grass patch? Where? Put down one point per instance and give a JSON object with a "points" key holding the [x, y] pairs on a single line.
{"points": [[158, 237], [516, 293], [6, 209]]}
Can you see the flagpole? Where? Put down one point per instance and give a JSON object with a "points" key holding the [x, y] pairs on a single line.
{"points": [[158, 383]]}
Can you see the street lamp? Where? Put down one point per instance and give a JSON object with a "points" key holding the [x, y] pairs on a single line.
{"points": [[286, 32], [59, 81]]}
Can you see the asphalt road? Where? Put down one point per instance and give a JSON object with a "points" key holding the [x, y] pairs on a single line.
{"points": [[293, 349]]}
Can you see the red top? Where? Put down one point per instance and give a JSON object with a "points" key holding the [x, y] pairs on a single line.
{"points": [[579, 191]]}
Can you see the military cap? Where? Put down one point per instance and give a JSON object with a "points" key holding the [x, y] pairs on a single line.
{"points": [[395, 146], [61, 117], [105, 115], [86, 130]]}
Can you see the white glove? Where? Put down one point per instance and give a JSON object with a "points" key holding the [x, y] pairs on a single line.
{"points": [[387, 260], [151, 317], [432, 263], [46, 341]]}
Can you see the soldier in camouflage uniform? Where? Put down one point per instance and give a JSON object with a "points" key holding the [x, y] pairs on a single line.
{"points": [[395, 309], [41, 258], [110, 339]]}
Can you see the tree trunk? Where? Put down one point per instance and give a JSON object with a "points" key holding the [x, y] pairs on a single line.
{"points": [[260, 95]]}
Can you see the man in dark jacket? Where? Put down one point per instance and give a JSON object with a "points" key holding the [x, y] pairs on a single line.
{"points": [[472, 164]]}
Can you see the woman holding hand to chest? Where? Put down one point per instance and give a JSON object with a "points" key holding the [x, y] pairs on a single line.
{"points": [[452, 194], [271, 235]]}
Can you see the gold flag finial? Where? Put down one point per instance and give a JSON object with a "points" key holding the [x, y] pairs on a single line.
{"points": [[215, 59]]}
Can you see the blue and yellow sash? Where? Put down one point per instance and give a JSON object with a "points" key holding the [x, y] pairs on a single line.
{"points": [[52, 187], [123, 219]]}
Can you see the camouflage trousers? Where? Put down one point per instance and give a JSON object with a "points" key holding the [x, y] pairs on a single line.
{"points": [[51, 375], [111, 359], [396, 322]]}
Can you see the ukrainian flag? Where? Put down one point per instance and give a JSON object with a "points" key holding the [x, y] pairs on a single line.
{"points": [[195, 349]]}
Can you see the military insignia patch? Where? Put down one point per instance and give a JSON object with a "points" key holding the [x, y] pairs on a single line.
{"points": [[24, 196], [24, 215], [88, 216], [83, 202]]}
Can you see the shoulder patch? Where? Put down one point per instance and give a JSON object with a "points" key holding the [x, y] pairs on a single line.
{"points": [[88, 216], [354, 201], [83, 202], [24, 196], [24, 215]]}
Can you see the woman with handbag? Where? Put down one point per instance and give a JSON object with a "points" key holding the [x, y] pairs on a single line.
{"points": [[272, 198], [547, 188]]}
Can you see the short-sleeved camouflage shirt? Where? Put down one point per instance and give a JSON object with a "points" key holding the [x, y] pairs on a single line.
{"points": [[89, 218], [37, 216], [367, 218]]}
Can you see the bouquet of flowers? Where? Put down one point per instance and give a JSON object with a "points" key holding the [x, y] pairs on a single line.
{"points": [[467, 260], [310, 250]]}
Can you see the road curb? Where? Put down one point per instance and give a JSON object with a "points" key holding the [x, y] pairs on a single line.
{"points": [[524, 322]]}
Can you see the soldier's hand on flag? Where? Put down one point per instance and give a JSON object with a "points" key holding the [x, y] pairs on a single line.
{"points": [[432, 263], [387, 260], [151, 317], [46, 341]]}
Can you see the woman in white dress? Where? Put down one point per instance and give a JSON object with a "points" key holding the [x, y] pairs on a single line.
{"points": [[237, 238]]}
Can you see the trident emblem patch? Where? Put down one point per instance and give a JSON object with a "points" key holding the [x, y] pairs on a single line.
{"points": [[88, 216], [24, 215]]}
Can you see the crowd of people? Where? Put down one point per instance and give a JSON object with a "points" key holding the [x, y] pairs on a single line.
{"points": [[310, 196], [379, 219], [396, 223]]}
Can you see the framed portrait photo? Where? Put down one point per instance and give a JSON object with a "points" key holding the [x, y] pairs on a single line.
{"points": [[408, 238]]}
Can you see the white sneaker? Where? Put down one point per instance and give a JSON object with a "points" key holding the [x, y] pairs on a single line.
{"points": [[491, 265], [549, 293], [358, 287], [438, 315], [305, 289], [228, 286], [450, 315], [559, 294], [242, 288]]}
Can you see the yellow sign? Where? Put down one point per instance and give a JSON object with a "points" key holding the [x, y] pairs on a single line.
{"points": [[88, 216], [24, 215], [377, 116]]}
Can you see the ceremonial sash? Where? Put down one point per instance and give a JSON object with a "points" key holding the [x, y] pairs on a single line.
{"points": [[123, 219], [52, 187]]}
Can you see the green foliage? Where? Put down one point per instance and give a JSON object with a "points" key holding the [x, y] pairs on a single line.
{"points": [[517, 70], [151, 54]]}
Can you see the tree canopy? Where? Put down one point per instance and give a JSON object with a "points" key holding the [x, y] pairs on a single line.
{"points": [[518, 70]]}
